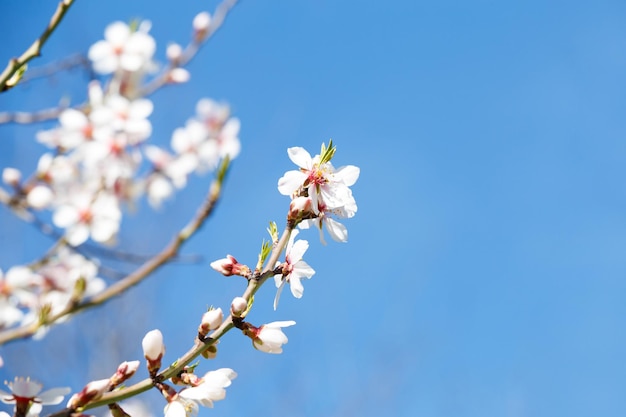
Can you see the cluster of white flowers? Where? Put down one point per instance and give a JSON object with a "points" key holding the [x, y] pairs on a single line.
{"points": [[64, 276], [100, 160], [321, 191]]}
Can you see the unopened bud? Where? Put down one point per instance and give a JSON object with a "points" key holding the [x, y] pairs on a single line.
{"points": [[178, 76], [229, 266], [298, 207], [238, 306], [201, 24], [11, 176], [173, 52], [91, 392], [153, 350], [125, 371], [211, 320]]}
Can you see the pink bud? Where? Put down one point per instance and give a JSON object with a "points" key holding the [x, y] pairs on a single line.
{"points": [[238, 306], [124, 372], [299, 206], [91, 392], [225, 266]]}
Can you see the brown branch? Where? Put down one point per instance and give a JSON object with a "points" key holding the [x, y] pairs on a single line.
{"points": [[132, 279], [23, 117], [17, 64]]}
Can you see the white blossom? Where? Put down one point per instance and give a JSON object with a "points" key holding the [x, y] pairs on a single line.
{"points": [[294, 268], [270, 338], [122, 49], [211, 387], [27, 396]]}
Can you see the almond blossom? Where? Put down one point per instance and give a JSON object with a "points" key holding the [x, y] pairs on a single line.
{"points": [[323, 183], [123, 49], [294, 268], [210, 388], [270, 338], [85, 216], [27, 396]]}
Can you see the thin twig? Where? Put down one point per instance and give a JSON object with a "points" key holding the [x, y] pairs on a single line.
{"points": [[191, 50], [132, 279], [34, 50], [23, 117]]}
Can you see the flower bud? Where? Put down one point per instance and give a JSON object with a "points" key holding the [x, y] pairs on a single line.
{"points": [[238, 306], [124, 372], [174, 52], [229, 266], [39, 197], [153, 349], [178, 76], [211, 320], [91, 392], [201, 24], [298, 207], [11, 176]]}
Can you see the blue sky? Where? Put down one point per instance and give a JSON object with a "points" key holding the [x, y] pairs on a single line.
{"points": [[484, 273]]}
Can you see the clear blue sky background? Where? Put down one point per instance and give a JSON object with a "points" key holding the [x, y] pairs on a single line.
{"points": [[485, 272]]}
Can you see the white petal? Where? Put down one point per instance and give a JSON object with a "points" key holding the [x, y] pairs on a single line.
{"points": [[141, 108], [290, 182], [348, 174], [65, 216], [175, 409], [278, 292], [337, 231], [300, 157], [53, 396], [77, 234], [297, 251], [296, 287], [117, 33], [302, 270], [73, 119]]}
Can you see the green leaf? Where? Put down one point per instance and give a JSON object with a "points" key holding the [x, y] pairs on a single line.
{"points": [[327, 153]]}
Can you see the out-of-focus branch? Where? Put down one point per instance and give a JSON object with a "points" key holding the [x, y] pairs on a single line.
{"points": [[145, 270], [64, 64], [17, 64], [221, 12], [22, 117]]}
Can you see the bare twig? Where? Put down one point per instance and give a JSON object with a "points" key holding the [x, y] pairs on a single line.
{"points": [[63, 64], [22, 117], [132, 279], [191, 50], [17, 64]]}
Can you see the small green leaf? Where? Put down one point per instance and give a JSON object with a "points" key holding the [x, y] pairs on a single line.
{"points": [[273, 231], [327, 153]]}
